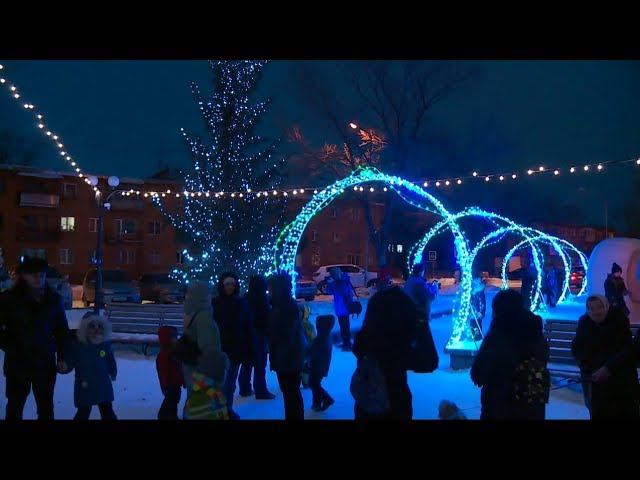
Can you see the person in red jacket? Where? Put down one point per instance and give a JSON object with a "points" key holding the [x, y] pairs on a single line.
{"points": [[169, 373]]}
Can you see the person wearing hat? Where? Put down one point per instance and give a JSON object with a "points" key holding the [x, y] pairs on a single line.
{"points": [[615, 289], [601, 348], [34, 337], [231, 316]]}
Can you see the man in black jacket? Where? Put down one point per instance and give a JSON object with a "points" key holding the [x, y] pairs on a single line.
{"points": [[34, 337], [230, 313]]}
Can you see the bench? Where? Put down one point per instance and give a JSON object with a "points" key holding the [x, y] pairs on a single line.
{"points": [[137, 324], [559, 335]]}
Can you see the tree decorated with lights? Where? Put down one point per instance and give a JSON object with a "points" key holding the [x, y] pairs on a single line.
{"points": [[225, 230]]}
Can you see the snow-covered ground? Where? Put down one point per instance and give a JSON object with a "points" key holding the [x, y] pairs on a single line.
{"points": [[138, 396]]}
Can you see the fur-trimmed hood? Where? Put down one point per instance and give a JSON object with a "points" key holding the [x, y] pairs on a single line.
{"points": [[83, 330]]}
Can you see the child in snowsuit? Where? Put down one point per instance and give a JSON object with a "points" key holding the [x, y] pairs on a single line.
{"points": [[206, 400], [320, 356], [95, 367], [169, 373]]}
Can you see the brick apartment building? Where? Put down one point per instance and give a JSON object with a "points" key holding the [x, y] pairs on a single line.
{"points": [[54, 215], [582, 236]]}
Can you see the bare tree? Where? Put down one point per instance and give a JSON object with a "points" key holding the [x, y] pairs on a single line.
{"points": [[396, 97]]}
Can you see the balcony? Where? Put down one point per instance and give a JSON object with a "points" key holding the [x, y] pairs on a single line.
{"points": [[114, 237], [43, 200], [24, 234]]}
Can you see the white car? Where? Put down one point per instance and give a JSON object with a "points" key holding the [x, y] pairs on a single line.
{"points": [[356, 275]]}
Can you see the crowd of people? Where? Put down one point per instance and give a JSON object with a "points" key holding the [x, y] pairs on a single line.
{"points": [[229, 339]]}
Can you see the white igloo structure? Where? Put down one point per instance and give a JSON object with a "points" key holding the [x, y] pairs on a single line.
{"points": [[626, 253]]}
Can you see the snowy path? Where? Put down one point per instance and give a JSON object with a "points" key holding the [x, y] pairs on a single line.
{"points": [[138, 395]]}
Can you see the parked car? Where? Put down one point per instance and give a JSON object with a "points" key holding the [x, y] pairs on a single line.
{"points": [[356, 275], [116, 287], [576, 278], [60, 283], [160, 288], [306, 289]]}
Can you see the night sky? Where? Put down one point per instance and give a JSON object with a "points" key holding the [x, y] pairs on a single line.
{"points": [[123, 117]]}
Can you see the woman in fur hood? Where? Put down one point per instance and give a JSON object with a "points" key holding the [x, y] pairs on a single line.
{"points": [[95, 365]]}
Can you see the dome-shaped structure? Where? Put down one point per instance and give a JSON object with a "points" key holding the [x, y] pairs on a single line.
{"points": [[626, 253]]}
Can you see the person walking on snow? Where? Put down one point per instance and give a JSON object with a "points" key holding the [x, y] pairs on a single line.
{"points": [[615, 289], [339, 285]]}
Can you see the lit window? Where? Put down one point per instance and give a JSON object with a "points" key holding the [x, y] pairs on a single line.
{"points": [[93, 225], [67, 224], [154, 228], [399, 248]]}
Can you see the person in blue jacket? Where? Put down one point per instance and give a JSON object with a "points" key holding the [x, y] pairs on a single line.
{"points": [[339, 285], [92, 358]]}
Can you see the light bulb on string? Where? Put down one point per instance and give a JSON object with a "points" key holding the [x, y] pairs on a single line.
{"points": [[459, 182], [486, 179], [541, 169], [600, 167], [586, 168], [529, 172], [501, 177], [556, 172], [437, 184], [572, 169], [514, 176], [447, 182]]}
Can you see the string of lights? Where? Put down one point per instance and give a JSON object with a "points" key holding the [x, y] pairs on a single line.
{"points": [[261, 194], [42, 127]]}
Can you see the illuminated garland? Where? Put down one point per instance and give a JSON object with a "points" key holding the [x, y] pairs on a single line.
{"points": [[42, 127], [234, 237]]}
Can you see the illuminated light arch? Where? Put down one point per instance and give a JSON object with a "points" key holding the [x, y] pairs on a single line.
{"points": [[531, 236], [287, 243], [583, 260]]}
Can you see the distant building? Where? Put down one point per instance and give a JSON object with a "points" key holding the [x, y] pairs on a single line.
{"points": [[54, 215], [584, 237]]}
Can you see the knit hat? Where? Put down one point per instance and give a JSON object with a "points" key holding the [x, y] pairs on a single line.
{"points": [[197, 297], [616, 268], [602, 298]]}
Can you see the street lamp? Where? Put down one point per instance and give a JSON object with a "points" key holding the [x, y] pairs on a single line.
{"points": [[103, 203]]}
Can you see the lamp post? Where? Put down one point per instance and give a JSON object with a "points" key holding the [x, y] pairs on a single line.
{"points": [[103, 203]]}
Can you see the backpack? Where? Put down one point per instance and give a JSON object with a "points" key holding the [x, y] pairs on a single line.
{"points": [[368, 387], [187, 350], [532, 382]]}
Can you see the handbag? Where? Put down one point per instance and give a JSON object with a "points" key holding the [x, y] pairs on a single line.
{"points": [[187, 350], [423, 356], [354, 307], [368, 387]]}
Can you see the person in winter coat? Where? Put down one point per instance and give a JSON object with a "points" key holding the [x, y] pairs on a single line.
{"points": [[600, 347], [310, 335], [258, 309], [615, 289], [34, 335], [286, 344], [205, 399], [92, 358], [320, 361], [527, 289], [339, 285], [511, 365], [230, 313], [388, 332], [550, 286], [478, 305], [200, 327], [421, 293], [169, 373]]}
